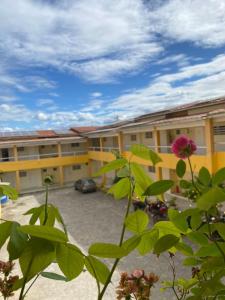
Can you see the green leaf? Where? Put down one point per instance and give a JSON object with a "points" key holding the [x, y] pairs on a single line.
{"points": [[184, 248], [123, 172], [107, 250], [184, 184], [101, 271], [54, 276], [165, 243], [219, 177], [70, 260], [45, 232], [180, 168], [37, 256], [159, 187], [137, 221], [214, 196], [204, 176], [148, 241], [144, 152], [167, 227], [140, 176], [113, 165], [17, 241], [132, 243], [198, 238], [221, 229], [8, 191], [5, 229], [209, 250], [178, 219], [121, 189], [191, 261]]}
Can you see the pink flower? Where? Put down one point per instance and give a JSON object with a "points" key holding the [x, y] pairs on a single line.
{"points": [[183, 147], [137, 273]]}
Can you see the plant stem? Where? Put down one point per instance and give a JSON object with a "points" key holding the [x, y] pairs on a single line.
{"points": [[174, 277], [31, 285], [95, 275], [21, 297], [120, 243], [46, 205], [192, 175]]}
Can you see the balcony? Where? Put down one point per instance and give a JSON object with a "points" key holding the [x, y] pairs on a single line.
{"points": [[38, 161], [102, 154]]}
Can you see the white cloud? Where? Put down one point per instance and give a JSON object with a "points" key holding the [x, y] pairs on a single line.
{"points": [[96, 94], [45, 102], [202, 22]]}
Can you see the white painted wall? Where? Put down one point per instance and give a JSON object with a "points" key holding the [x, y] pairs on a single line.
{"points": [[9, 177], [71, 175], [31, 181]]}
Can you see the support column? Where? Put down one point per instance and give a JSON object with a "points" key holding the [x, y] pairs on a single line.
{"points": [[120, 143], [15, 155], [89, 172], [101, 142], [209, 140], [61, 175], [158, 170], [140, 138]]}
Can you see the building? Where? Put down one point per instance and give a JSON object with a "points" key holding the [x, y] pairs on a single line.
{"points": [[27, 157]]}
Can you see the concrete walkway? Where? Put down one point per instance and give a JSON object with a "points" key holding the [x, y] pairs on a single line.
{"points": [[90, 218]]}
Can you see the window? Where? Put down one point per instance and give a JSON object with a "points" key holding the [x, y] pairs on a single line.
{"points": [[151, 169], [55, 169], [76, 167], [44, 170], [20, 149], [148, 135], [42, 147], [75, 144], [133, 137], [23, 174], [104, 139], [178, 131]]}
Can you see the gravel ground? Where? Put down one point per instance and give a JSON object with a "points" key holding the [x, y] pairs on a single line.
{"points": [[90, 218]]}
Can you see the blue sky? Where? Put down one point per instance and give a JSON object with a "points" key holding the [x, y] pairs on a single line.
{"points": [[91, 62]]}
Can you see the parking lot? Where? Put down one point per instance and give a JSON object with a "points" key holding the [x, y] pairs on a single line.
{"points": [[94, 217]]}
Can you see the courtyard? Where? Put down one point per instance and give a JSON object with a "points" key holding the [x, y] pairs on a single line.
{"points": [[89, 218]]}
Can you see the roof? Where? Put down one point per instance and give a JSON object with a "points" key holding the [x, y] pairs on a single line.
{"points": [[84, 129], [46, 133]]}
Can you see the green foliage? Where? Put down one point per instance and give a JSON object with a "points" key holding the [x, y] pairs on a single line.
{"points": [[165, 243], [111, 166], [219, 177], [137, 222], [70, 260], [145, 153], [54, 276], [17, 241], [204, 176], [45, 232], [8, 191], [5, 229], [148, 241], [121, 189], [97, 268], [159, 187], [211, 198], [180, 168], [107, 250]]}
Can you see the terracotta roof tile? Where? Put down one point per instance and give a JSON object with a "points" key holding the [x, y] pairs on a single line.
{"points": [[46, 133]]}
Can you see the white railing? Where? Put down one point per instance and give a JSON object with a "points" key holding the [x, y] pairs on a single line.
{"points": [[104, 149], [42, 156], [201, 150]]}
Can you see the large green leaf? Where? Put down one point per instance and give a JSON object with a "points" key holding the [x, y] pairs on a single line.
{"points": [[107, 250], [37, 256], [221, 229], [5, 229], [140, 176], [97, 268], [178, 219], [209, 250], [54, 276], [219, 177], [45, 232], [198, 238], [111, 166], [144, 152], [204, 176], [70, 260], [184, 248], [17, 242], [137, 221], [180, 168], [8, 191], [214, 196], [132, 243], [167, 227], [148, 241], [165, 243], [159, 187], [121, 189]]}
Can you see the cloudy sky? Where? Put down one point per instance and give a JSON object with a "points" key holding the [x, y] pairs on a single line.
{"points": [[73, 62]]}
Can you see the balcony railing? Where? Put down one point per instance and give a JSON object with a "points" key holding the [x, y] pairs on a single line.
{"points": [[201, 150], [104, 149], [42, 156]]}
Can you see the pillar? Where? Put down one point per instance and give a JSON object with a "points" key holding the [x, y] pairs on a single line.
{"points": [[101, 142], [15, 155], [120, 143], [209, 140], [158, 170], [61, 175]]}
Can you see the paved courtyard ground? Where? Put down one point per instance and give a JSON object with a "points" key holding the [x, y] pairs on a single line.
{"points": [[90, 218]]}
